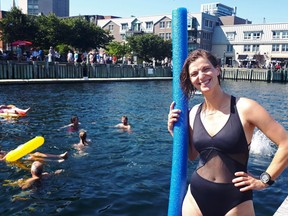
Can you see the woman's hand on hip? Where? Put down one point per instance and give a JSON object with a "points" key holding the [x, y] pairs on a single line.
{"points": [[247, 182]]}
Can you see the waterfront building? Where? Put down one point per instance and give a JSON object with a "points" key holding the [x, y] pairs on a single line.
{"points": [[200, 28], [236, 41], [217, 9], [34, 7], [121, 28], [251, 45]]}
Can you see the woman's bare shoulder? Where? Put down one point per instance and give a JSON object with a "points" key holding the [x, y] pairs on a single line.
{"points": [[194, 109], [245, 103], [192, 114]]}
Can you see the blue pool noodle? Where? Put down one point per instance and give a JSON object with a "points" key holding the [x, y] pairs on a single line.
{"points": [[180, 139]]}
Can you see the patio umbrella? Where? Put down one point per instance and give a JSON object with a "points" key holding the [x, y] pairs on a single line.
{"points": [[21, 43]]}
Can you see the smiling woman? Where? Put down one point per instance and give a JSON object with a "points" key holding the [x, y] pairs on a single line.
{"points": [[221, 130]]}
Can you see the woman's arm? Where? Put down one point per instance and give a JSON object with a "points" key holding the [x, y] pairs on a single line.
{"points": [[276, 133], [192, 152], [254, 115]]}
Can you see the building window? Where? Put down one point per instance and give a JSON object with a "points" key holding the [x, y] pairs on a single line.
{"points": [[136, 27], [162, 35], [255, 48], [124, 26], [110, 27], [256, 35], [276, 34], [168, 24], [208, 23], [252, 35], [275, 48], [229, 48], [162, 25], [204, 35], [247, 35], [168, 36], [247, 48], [285, 35], [149, 25], [230, 35], [209, 36], [284, 47]]}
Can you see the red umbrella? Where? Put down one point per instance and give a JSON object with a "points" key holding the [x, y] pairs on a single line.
{"points": [[21, 43]]}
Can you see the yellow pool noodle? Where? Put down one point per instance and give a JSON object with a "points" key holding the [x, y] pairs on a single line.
{"points": [[25, 149]]}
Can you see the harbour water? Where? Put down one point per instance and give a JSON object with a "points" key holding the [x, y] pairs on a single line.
{"points": [[120, 173]]}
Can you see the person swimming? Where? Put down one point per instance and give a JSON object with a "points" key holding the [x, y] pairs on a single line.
{"points": [[39, 156], [36, 175], [83, 141], [124, 123], [74, 124]]}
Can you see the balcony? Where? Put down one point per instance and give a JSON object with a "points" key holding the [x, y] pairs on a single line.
{"points": [[131, 32]]}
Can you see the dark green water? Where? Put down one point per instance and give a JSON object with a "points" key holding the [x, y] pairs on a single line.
{"points": [[120, 173]]}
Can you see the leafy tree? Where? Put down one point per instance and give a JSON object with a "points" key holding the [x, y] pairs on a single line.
{"points": [[118, 49], [17, 26], [63, 50], [51, 31], [46, 31], [149, 46], [85, 35]]}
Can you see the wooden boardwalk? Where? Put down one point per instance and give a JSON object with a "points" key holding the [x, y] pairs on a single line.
{"points": [[283, 208]]}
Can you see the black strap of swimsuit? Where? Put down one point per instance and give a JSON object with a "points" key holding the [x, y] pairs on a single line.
{"points": [[233, 104]]}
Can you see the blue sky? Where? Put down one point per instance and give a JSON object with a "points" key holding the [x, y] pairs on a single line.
{"points": [[253, 10]]}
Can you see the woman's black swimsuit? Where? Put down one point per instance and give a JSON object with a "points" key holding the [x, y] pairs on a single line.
{"points": [[220, 156]]}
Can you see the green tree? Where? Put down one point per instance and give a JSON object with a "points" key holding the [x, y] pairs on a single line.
{"points": [[85, 35], [17, 26], [118, 49], [149, 46], [51, 31]]}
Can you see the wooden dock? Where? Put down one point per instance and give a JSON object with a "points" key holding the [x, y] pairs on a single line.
{"points": [[283, 209], [255, 74], [12, 70]]}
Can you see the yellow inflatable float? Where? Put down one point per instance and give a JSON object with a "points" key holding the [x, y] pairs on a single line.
{"points": [[25, 149]]}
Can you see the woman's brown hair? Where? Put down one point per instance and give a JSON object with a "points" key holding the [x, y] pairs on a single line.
{"points": [[185, 82]]}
